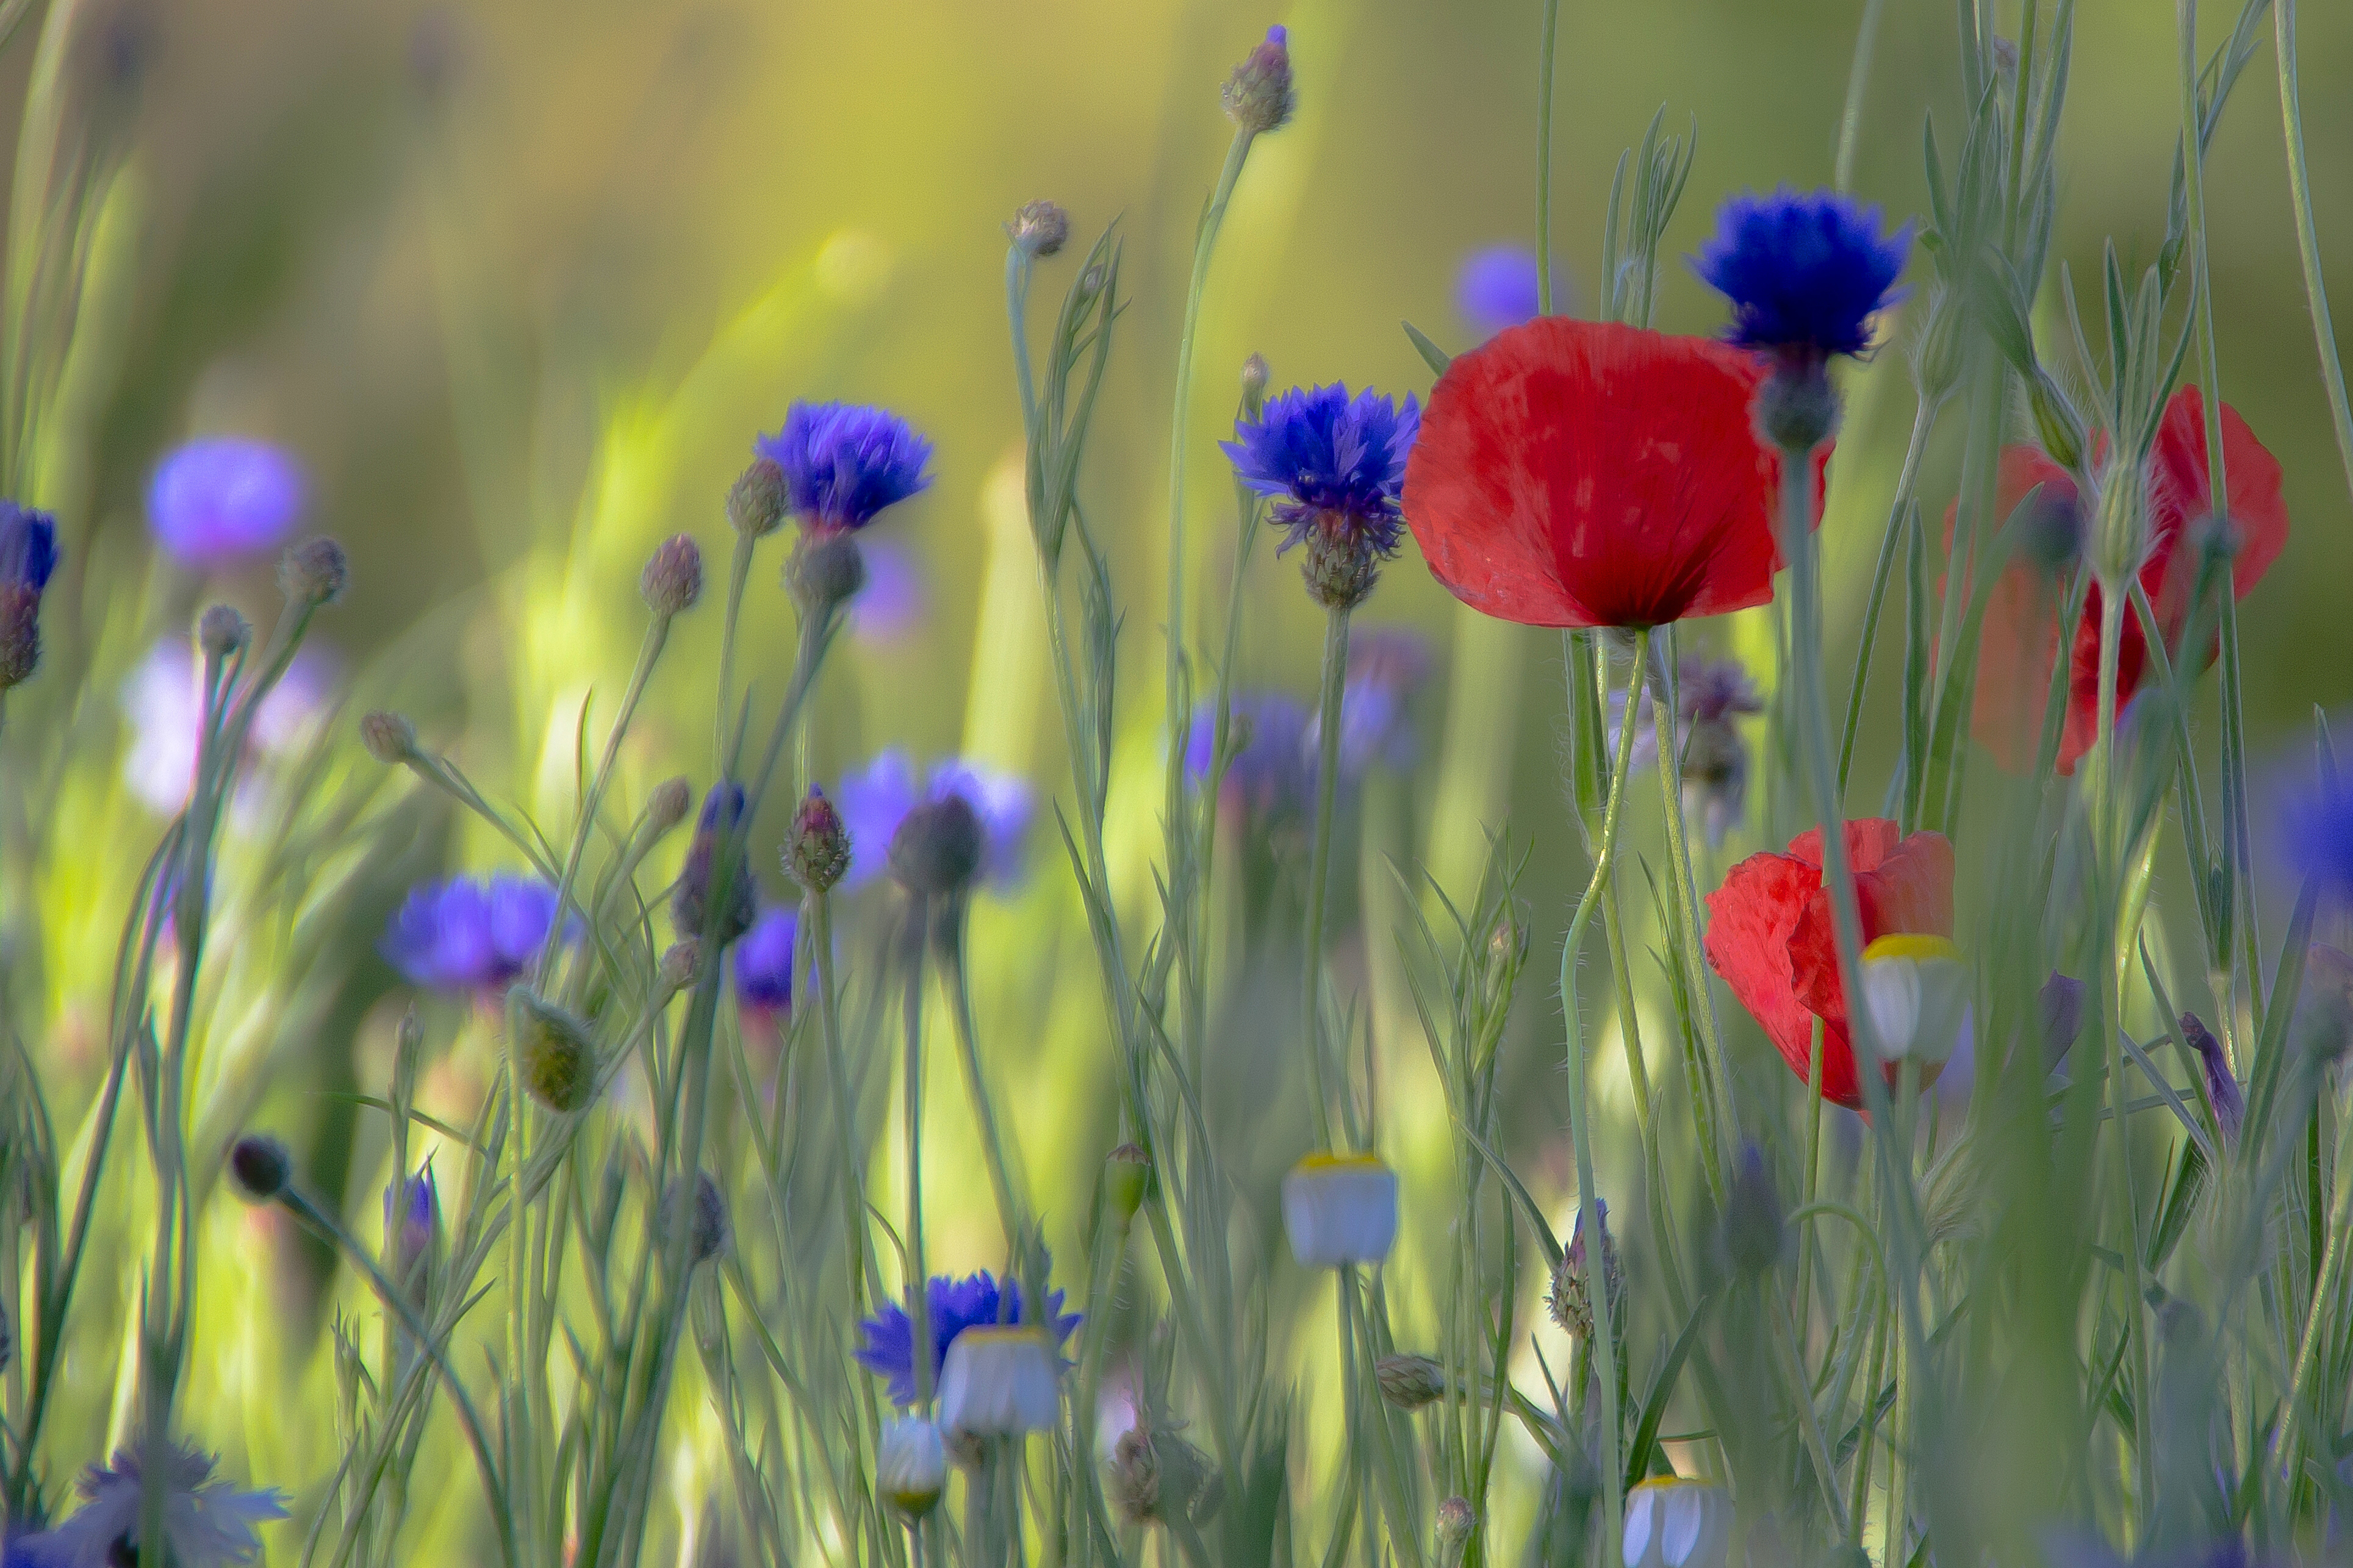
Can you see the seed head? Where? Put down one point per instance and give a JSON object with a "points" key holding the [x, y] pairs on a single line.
{"points": [[389, 737], [559, 1064], [260, 1167], [221, 631], [938, 847], [1258, 96], [1409, 1382], [1039, 228], [315, 572], [817, 851], [757, 502], [672, 580]]}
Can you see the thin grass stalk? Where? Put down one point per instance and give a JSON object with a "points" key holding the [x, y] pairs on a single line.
{"points": [[2308, 236], [1327, 783], [1924, 419]]}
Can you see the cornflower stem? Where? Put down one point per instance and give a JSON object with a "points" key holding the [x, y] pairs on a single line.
{"points": [[1588, 1212], [1545, 43], [494, 1494], [1319, 868], [1924, 419], [1857, 76], [911, 1092], [864, 1283], [519, 1445], [657, 635], [1017, 314], [2308, 237], [739, 575], [1205, 246], [992, 1138]]}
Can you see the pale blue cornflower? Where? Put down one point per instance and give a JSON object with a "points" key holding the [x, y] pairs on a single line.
{"points": [[28, 558], [206, 1523], [219, 498], [763, 965], [1497, 287], [471, 934], [952, 1306], [162, 709], [875, 801]]}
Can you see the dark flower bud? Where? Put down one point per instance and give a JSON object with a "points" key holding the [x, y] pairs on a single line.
{"points": [[1258, 96], [389, 737], [2222, 1089], [1456, 1521], [667, 806], [680, 961], [1797, 408], [824, 570], [1127, 1173], [1340, 563], [817, 852], [937, 850], [28, 558], [1255, 376], [691, 909], [8, 1338], [757, 500], [559, 1064], [20, 633], [315, 572], [1409, 1382], [1754, 1234], [672, 580], [221, 631], [1132, 1479], [710, 1231], [260, 1167], [1570, 1298], [2060, 1008], [1039, 228]]}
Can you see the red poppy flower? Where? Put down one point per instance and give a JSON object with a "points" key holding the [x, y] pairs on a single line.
{"points": [[1769, 935], [2022, 624], [1586, 474]]}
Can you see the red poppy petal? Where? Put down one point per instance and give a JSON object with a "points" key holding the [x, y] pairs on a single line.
{"points": [[1907, 886], [1587, 474], [1750, 920]]}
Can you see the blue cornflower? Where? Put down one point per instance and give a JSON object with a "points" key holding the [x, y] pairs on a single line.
{"points": [[206, 1522], [28, 557], [1386, 665], [412, 1217], [1497, 288], [1271, 769], [763, 964], [874, 802], [955, 1305], [2319, 835], [1805, 273], [465, 934], [221, 497], [845, 462], [723, 808], [1330, 459]]}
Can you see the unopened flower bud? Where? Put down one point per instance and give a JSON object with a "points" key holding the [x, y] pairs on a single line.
{"points": [[20, 633], [1340, 1209], [757, 500], [559, 1064], [1938, 365], [1039, 228], [1570, 1298], [1754, 1233], [710, 1229], [1916, 990], [221, 631], [412, 1221], [1255, 376], [938, 847], [2120, 526], [1127, 1173], [690, 907], [389, 737], [681, 961], [315, 572], [1409, 1382], [1339, 565], [672, 580], [667, 806], [260, 1167], [28, 559], [2223, 1091], [1258, 96], [817, 851], [2057, 424], [1456, 1521], [911, 1466], [826, 570]]}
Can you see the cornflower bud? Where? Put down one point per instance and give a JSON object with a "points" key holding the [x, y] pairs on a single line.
{"points": [[1255, 376], [390, 738], [1258, 96], [1754, 1233], [315, 572], [1570, 1298], [1456, 1521], [689, 904], [757, 502], [221, 631], [667, 806], [260, 1167], [938, 847], [412, 1221], [1127, 1175], [911, 1466], [817, 851], [681, 961], [1039, 228], [2057, 424], [1133, 1476], [8, 1338], [559, 1064], [1409, 1382], [826, 570], [672, 580], [2120, 526], [709, 1230]]}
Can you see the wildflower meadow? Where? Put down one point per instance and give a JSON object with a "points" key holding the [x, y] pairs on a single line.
{"points": [[1425, 826]]}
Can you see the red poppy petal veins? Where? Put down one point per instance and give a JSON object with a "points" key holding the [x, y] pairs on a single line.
{"points": [[1750, 920]]}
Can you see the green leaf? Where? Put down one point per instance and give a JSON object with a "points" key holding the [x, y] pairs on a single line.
{"points": [[1436, 358], [1662, 1388]]}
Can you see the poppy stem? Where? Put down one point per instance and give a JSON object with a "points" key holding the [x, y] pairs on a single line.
{"points": [[1319, 868], [1589, 1207]]}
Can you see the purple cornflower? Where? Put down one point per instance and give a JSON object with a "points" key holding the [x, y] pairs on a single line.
{"points": [[206, 1523], [892, 602], [1270, 770], [954, 1305], [763, 965], [2223, 1091], [1330, 459], [218, 497], [845, 462], [1805, 273], [1497, 288], [412, 1217], [874, 802], [465, 934], [162, 705], [1386, 666], [28, 557], [2319, 835]]}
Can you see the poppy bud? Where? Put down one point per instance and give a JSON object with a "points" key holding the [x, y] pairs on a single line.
{"points": [[1000, 1383], [672, 580], [559, 1064], [1456, 1521], [1754, 1233], [757, 500], [389, 737], [315, 572], [938, 847], [911, 1466], [1039, 228], [817, 852], [221, 631], [1409, 1382], [260, 1167], [1340, 1209], [824, 570], [1258, 96], [667, 806], [1127, 1173], [1675, 1522]]}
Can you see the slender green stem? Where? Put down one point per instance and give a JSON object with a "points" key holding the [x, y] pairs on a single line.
{"points": [[2308, 236], [739, 573], [1544, 46], [1857, 75], [1319, 870], [1588, 1209], [911, 1092], [1924, 418], [992, 1137], [1017, 313], [1726, 1117], [657, 635], [818, 906]]}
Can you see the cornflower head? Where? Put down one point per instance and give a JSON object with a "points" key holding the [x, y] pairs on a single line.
{"points": [[764, 966], [1271, 768], [471, 934], [845, 463], [977, 1300], [206, 1523], [219, 498], [876, 802], [1258, 96], [28, 558], [1335, 466], [412, 1219], [723, 808], [1498, 287], [1805, 272]]}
